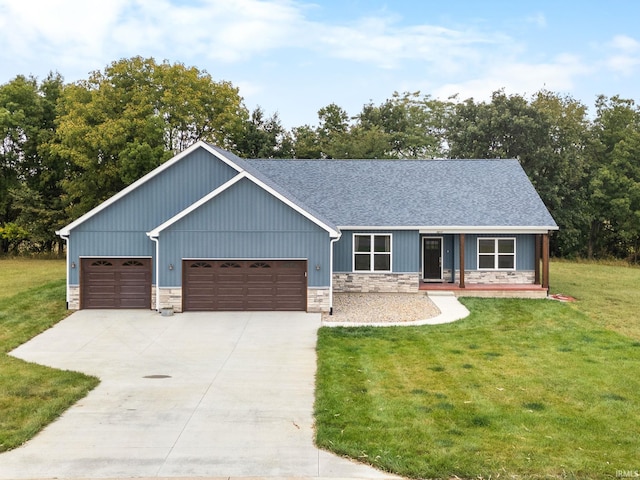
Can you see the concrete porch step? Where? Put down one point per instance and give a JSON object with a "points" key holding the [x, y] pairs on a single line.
{"points": [[440, 293]]}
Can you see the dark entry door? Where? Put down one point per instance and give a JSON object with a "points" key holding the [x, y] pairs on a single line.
{"points": [[432, 258]]}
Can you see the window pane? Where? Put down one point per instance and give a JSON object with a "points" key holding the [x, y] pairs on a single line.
{"points": [[362, 262], [506, 245], [486, 261], [486, 246], [506, 261], [362, 243], [382, 243], [382, 261]]}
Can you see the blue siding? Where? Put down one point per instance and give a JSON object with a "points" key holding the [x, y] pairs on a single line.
{"points": [[448, 251], [405, 251], [163, 196], [120, 229], [245, 221]]}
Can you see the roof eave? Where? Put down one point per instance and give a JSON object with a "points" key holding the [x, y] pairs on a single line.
{"points": [[435, 229]]}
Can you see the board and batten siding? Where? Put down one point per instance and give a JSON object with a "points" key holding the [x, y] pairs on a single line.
{"points": [[120, 229], [405, 250], [244, 222], [164, 195]]}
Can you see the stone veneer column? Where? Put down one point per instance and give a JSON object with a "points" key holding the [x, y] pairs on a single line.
{"points": [[171, 297], [318, 300], [74, 297]]}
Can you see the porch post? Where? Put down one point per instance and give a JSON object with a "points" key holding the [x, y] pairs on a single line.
{"points": [[538, 248], [545, 260], [462, 260]]}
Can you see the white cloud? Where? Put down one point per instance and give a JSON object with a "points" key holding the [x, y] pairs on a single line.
{"points": [[519, 77], [538, 20], [386, 44], [213, 29], [280, 54], [73, 22], [91, 35], [81, 34], [625, 43], [625, 56]]}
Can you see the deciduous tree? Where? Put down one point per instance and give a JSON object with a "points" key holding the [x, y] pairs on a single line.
{"points": [[615, 182], [126, 120]]}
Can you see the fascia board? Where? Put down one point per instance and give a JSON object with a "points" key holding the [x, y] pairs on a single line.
{"points": [[455, 229], [65, 231]]}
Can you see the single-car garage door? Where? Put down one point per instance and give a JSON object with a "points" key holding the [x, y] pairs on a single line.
{"points": [[115, 283], [227, 285]]}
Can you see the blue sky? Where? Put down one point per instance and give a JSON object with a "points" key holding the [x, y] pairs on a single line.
{"points": [[296, 56]]}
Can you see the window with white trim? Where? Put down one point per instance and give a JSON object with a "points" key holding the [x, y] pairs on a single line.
{"points": [[496, 253], [371, 252]]}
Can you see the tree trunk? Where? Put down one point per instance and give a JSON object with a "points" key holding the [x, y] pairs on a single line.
{"points": [[593, 235]]}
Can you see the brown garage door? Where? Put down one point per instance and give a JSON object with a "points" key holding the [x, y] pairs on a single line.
{"points": [[227, 285], [115, 283]]}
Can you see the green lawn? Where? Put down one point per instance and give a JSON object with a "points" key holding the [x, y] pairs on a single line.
{"points": [[19, 274], [520, 389], [608, 294], [32, 298]]}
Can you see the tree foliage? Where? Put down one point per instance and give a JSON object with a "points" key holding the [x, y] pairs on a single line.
{"points": [[264, 137], [31, 173], [548, 135], [64, 148], [615, 182], [124, 121]]}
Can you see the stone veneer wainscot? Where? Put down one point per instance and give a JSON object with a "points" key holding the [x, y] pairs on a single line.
{"points": [[376, 282]]}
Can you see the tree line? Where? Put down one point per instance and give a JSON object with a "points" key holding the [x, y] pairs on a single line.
{"points": [[66, 147]]}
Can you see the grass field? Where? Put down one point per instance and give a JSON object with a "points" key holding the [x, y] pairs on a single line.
{"points": [[32, 299], [520, 389], [19, 274], [608, 294]]}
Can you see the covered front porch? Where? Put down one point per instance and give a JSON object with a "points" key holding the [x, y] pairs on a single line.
{"points": [[463, 264]]}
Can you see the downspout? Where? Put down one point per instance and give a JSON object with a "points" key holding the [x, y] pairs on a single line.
{"points": [[156, 240], [333, 241], [66, 241]]}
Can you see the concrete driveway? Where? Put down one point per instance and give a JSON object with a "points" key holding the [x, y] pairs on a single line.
{"points": [[191, 395]]}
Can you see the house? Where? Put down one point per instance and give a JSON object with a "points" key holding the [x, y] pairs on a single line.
{"points": [[208, 230]]}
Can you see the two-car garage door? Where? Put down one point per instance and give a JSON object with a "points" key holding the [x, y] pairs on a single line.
{"points": [[208, 285], [259, 285]]}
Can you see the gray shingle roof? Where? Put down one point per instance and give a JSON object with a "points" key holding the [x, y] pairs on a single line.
{"points": [[403, 193]]}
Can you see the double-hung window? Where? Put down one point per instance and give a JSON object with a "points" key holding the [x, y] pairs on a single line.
{"points": [[372, 252], [496, 253]]}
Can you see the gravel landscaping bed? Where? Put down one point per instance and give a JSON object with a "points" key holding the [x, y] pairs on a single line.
{"points": [[381, 308]]}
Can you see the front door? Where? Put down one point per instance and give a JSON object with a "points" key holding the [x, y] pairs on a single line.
{"points": [[432, 258]]}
